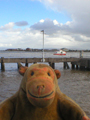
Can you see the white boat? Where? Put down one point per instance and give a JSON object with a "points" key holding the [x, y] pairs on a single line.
{"points": [[60, 52]]}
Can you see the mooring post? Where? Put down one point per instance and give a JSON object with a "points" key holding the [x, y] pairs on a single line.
{"points": [[2, 64], [73, 65], [64, 65], [67, 66], [26, 64], [76, 66], [52, 65]]}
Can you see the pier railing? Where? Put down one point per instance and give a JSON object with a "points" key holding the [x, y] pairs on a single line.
{"points": [[76, 62], [32, 60]]}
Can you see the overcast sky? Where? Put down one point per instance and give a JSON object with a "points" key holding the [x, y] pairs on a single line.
{"points": [[66, 24]]}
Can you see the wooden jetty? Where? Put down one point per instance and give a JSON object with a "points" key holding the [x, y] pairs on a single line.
{"points": [[76, 63]]}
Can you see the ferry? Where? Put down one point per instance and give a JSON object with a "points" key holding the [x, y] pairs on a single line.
{"points": [[60, 52]]}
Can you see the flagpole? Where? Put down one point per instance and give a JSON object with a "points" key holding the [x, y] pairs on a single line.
{"points": [[43, 60]]}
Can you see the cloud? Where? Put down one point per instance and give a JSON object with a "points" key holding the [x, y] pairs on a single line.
{"points": [[5, 45], [73, 34], [21, 23], [20, 38], [57, 35], [78, 29], [42, 20], [8, 26], [79, 11], [50, 26]]}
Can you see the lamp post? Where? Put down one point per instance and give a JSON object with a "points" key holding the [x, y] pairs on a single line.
{"points": [[43, 60]]}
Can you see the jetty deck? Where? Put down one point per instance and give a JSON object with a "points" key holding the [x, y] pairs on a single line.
{"points": [[76, 63], [32, 60]]}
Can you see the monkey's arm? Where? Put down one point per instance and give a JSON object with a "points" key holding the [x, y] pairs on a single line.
{"points": [[69, 110], [6, 110]]}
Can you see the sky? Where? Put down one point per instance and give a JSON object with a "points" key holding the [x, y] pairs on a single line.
{"points": [[66, 24]]}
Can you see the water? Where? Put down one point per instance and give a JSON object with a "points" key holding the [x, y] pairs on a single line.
{"points": [[74, 83]]}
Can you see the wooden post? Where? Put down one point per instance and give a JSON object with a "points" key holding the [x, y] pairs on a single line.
{"points": [[73, 66], [88, 66], [52, 65], [76, 66], [2, 64], [26, 64], [82, 67], [19, 65], [65, 65]]}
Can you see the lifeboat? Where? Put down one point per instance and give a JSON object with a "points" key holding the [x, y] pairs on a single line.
{"points": [[60, 52]]}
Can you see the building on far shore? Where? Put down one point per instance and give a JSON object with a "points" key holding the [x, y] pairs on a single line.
{"points": [[46, 50]]}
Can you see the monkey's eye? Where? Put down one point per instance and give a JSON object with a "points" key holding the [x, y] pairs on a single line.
{"points": [[48, 74], [32, 73]]}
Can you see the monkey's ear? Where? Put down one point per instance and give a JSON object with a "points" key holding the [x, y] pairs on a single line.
{"points": [[58, 73], [22, 70]]}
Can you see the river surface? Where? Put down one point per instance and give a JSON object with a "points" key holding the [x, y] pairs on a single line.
{"points": [[74, 83]]}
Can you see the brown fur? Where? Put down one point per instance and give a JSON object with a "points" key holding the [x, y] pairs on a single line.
{"points": [[44, 104]]}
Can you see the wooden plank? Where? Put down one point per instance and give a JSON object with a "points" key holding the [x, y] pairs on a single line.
{"points": [[14, 60], [31, 60], [53, 60]]}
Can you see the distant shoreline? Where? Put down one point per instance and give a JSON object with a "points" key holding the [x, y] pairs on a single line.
{"points": [[45, 50]]}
